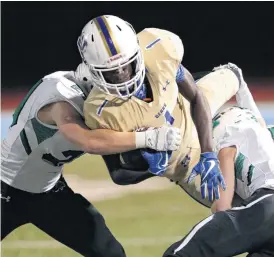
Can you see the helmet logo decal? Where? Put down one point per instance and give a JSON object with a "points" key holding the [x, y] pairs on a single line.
{"points": [[82, 43], [116, 57]]}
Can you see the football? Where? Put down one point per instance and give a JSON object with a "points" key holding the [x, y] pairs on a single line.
{"points": [[133, 160]]}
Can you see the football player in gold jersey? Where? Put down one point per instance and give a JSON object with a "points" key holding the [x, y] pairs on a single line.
{"points": [[139, 82]]}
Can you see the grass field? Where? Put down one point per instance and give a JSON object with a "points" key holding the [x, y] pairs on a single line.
{"points": [[146, 223]]}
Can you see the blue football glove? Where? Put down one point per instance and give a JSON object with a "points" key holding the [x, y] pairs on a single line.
{"points": [[157, 160], [211, 176]]}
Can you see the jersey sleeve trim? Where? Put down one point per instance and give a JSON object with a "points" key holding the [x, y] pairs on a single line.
{"points": [[180, 75], [25, 142], [79, 96], [23, 102]]}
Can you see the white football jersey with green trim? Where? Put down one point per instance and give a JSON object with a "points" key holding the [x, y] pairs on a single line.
{"points": [[254, 163], [34, 153]]}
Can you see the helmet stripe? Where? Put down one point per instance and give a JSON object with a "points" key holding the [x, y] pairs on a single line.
{"points": [[106, 35]]}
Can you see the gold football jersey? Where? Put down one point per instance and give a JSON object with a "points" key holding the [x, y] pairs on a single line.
{"points": [[163, 52]]}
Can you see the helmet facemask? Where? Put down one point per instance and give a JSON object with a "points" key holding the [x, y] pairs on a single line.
{"points": [[122, 87]]}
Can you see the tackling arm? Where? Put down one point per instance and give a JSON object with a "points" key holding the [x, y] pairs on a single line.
{"points": [[101, 141], [105, 141], [226, 157], [201, 113]]}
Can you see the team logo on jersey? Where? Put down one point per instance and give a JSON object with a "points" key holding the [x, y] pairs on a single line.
{"points": [[166, 84], [79, 91], [7, 199], [185, 162]]}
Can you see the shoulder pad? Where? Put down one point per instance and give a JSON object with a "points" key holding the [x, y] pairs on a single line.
{"points": [[171, 41], [71, 93]]}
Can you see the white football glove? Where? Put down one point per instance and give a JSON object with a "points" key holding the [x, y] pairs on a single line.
{"points": [[161, 139]]}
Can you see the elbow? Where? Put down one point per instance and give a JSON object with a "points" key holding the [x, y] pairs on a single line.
{"points": [[87, 148], [79, 138], [198, 97], [117, 179]]}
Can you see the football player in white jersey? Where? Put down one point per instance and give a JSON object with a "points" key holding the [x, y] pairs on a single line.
{"points": [[48, 131], [245, 148]]}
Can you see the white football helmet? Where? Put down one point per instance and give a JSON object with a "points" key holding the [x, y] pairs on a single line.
{"points": [[234, 115], [230, 117], [109, 44]]}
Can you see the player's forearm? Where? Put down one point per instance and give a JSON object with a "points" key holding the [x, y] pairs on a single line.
{"points": [[226, 157], [201, 116], [104, 141], [200, 110], [100, 141], [226, 197], [225, 201]]}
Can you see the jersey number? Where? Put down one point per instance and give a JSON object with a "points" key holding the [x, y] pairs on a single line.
{"points": [[70, 155]]}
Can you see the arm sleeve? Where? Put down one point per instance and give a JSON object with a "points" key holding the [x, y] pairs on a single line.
{"points": [[180, 74], [122, 176]]}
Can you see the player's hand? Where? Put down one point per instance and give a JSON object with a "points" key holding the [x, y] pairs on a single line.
{"points": [[157, 161], [163, 139], [211, 176]]}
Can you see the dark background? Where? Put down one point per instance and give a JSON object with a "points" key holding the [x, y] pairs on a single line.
{"points": [[40, 37]]}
